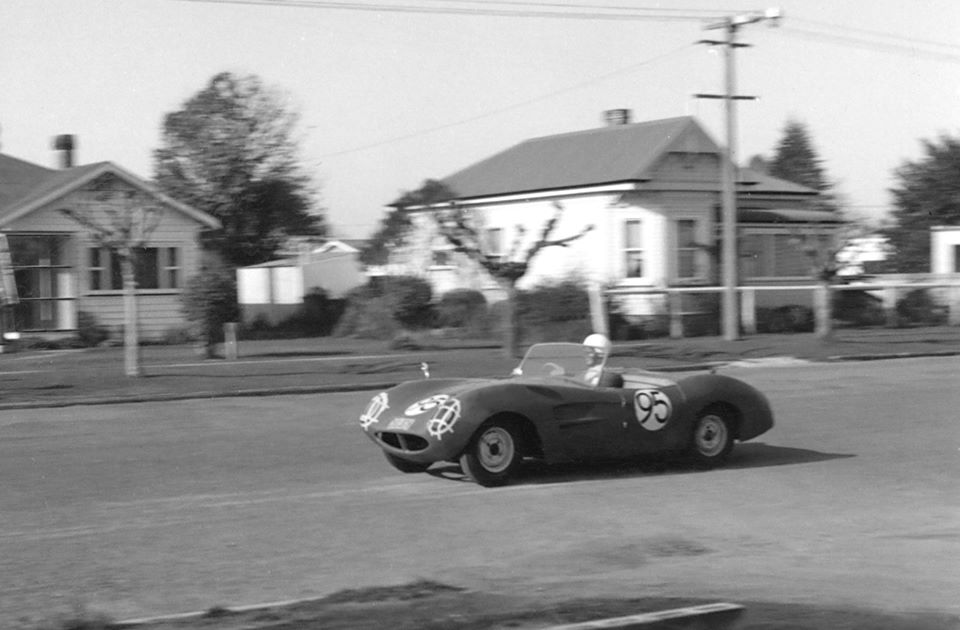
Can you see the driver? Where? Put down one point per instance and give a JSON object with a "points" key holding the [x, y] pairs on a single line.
{"points": [[597, 348]]}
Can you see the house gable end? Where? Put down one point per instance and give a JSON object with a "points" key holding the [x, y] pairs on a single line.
{"points": [[62, 183]]}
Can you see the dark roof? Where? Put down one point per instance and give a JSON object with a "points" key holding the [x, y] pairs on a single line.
{"points": [[18, 178], [606, 155], [25, 186]]}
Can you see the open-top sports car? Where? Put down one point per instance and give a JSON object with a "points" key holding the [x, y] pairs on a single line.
{"points": [[553, 410]]}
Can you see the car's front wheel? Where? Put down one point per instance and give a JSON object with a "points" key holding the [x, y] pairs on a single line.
{"points": [[712, 438], [404, 465], [493, 456]]}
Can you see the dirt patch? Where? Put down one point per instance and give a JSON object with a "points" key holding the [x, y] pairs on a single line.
{"points": [[427, 605]]}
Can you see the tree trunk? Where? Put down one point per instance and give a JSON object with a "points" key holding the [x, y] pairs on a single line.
{"points": [[131, 339], [511, 322]]}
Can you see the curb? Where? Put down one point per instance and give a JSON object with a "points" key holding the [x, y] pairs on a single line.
{"points": [[705, 616], [359, 387]]}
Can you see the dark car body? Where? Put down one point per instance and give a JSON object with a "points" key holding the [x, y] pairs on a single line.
{"points": [[554, 415]]}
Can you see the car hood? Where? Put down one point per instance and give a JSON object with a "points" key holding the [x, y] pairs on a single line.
{"points": [[431, 407]]}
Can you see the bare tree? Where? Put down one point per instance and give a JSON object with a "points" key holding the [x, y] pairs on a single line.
{"points": [[457, 227], [120, 217]]}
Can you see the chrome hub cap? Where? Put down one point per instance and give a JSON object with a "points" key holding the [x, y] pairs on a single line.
{"points": [[496, 449], [711, 436]]}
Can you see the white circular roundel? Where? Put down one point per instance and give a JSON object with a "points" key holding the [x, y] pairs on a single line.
{"points": [[425, 405], [653, 408]]}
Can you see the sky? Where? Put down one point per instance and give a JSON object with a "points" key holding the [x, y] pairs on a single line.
{"points": [[389, 96]]}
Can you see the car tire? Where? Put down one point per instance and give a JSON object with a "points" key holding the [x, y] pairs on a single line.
{"points": [[404, 465], [712, 438], [494, 454]]}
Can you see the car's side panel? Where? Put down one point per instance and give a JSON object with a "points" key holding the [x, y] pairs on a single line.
{"points": [[755, 413]]}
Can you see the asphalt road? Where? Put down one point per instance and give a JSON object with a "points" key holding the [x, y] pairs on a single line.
{"points": [[158, 508]]}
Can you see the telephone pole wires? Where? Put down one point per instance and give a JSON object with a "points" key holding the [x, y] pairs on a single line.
{"points": [[730, 26]]}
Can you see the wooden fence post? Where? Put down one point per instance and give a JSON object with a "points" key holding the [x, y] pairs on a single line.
{"points": [[748, 310], [822, 313], [890, 306], [675, 313]]}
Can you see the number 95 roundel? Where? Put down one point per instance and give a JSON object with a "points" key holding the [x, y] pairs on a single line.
{"points": [[653, 408]]}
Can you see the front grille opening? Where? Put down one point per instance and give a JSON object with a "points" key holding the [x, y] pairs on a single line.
{"points": [[403, 441]]}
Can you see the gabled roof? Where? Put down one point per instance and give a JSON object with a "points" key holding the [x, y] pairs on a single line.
{"points": [[25, 187], [608, 155]]}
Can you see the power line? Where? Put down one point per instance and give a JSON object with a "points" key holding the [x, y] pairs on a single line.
{"points": [[520, 10], [889, 47], [517, 105], [881, 34]]}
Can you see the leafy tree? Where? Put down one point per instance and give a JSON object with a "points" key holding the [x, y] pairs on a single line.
{"points": [[120, 217], [927, 193], [796, 160], [396, 224], [230, 152]]}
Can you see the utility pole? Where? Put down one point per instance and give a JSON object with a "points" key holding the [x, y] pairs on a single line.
{"points": [[731, 319]]}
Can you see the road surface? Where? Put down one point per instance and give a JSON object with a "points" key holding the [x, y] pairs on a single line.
{"points": [[145, 509]]}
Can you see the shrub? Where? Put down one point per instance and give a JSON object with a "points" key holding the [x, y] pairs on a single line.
{"points": [[366, 314], [90, 331], [210, 301], [461, 308], [919, 307], [409, 299], [785, 319], [554, 312], [564, 301], [858, 308]]}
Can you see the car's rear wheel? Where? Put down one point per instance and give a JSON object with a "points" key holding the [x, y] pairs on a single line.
{"points": [[404, 465], [712, 438], [493, 456]]}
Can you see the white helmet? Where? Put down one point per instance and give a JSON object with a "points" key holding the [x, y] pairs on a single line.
{"points": [[598, 341]]}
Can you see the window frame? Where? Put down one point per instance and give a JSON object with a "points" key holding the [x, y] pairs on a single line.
{"points": [[629, 249], [106, 278]]}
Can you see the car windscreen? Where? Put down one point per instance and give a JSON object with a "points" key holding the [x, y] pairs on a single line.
{"points": [[554, 360]]}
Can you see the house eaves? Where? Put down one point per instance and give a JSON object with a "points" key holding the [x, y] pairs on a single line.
{"points": [[61, 183]]}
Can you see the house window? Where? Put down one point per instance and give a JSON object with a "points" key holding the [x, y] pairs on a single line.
{"points": [[633, 249], [44, 282], [780, 254], [686, 248], [155, 268], [493, 244]]}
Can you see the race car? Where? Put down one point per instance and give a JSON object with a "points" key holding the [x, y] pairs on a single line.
{"points": [[562, 404]]}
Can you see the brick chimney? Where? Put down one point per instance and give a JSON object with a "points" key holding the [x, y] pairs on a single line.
{"points": [[614, 117], [64, 144]]}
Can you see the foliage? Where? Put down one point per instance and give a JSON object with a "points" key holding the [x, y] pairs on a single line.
{"points": [[210, 301], [858, 308], [230, 152], [784, 319], [927, 193], [919, 307], [385, 305], [461, 308], [396, 224], [90, 331], [554, 312], [796, 160], [554, 302], [409, 299]]}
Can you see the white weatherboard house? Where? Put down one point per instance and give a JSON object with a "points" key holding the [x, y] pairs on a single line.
{"points": [[945, 249], [651, 191], [59, 271]]}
